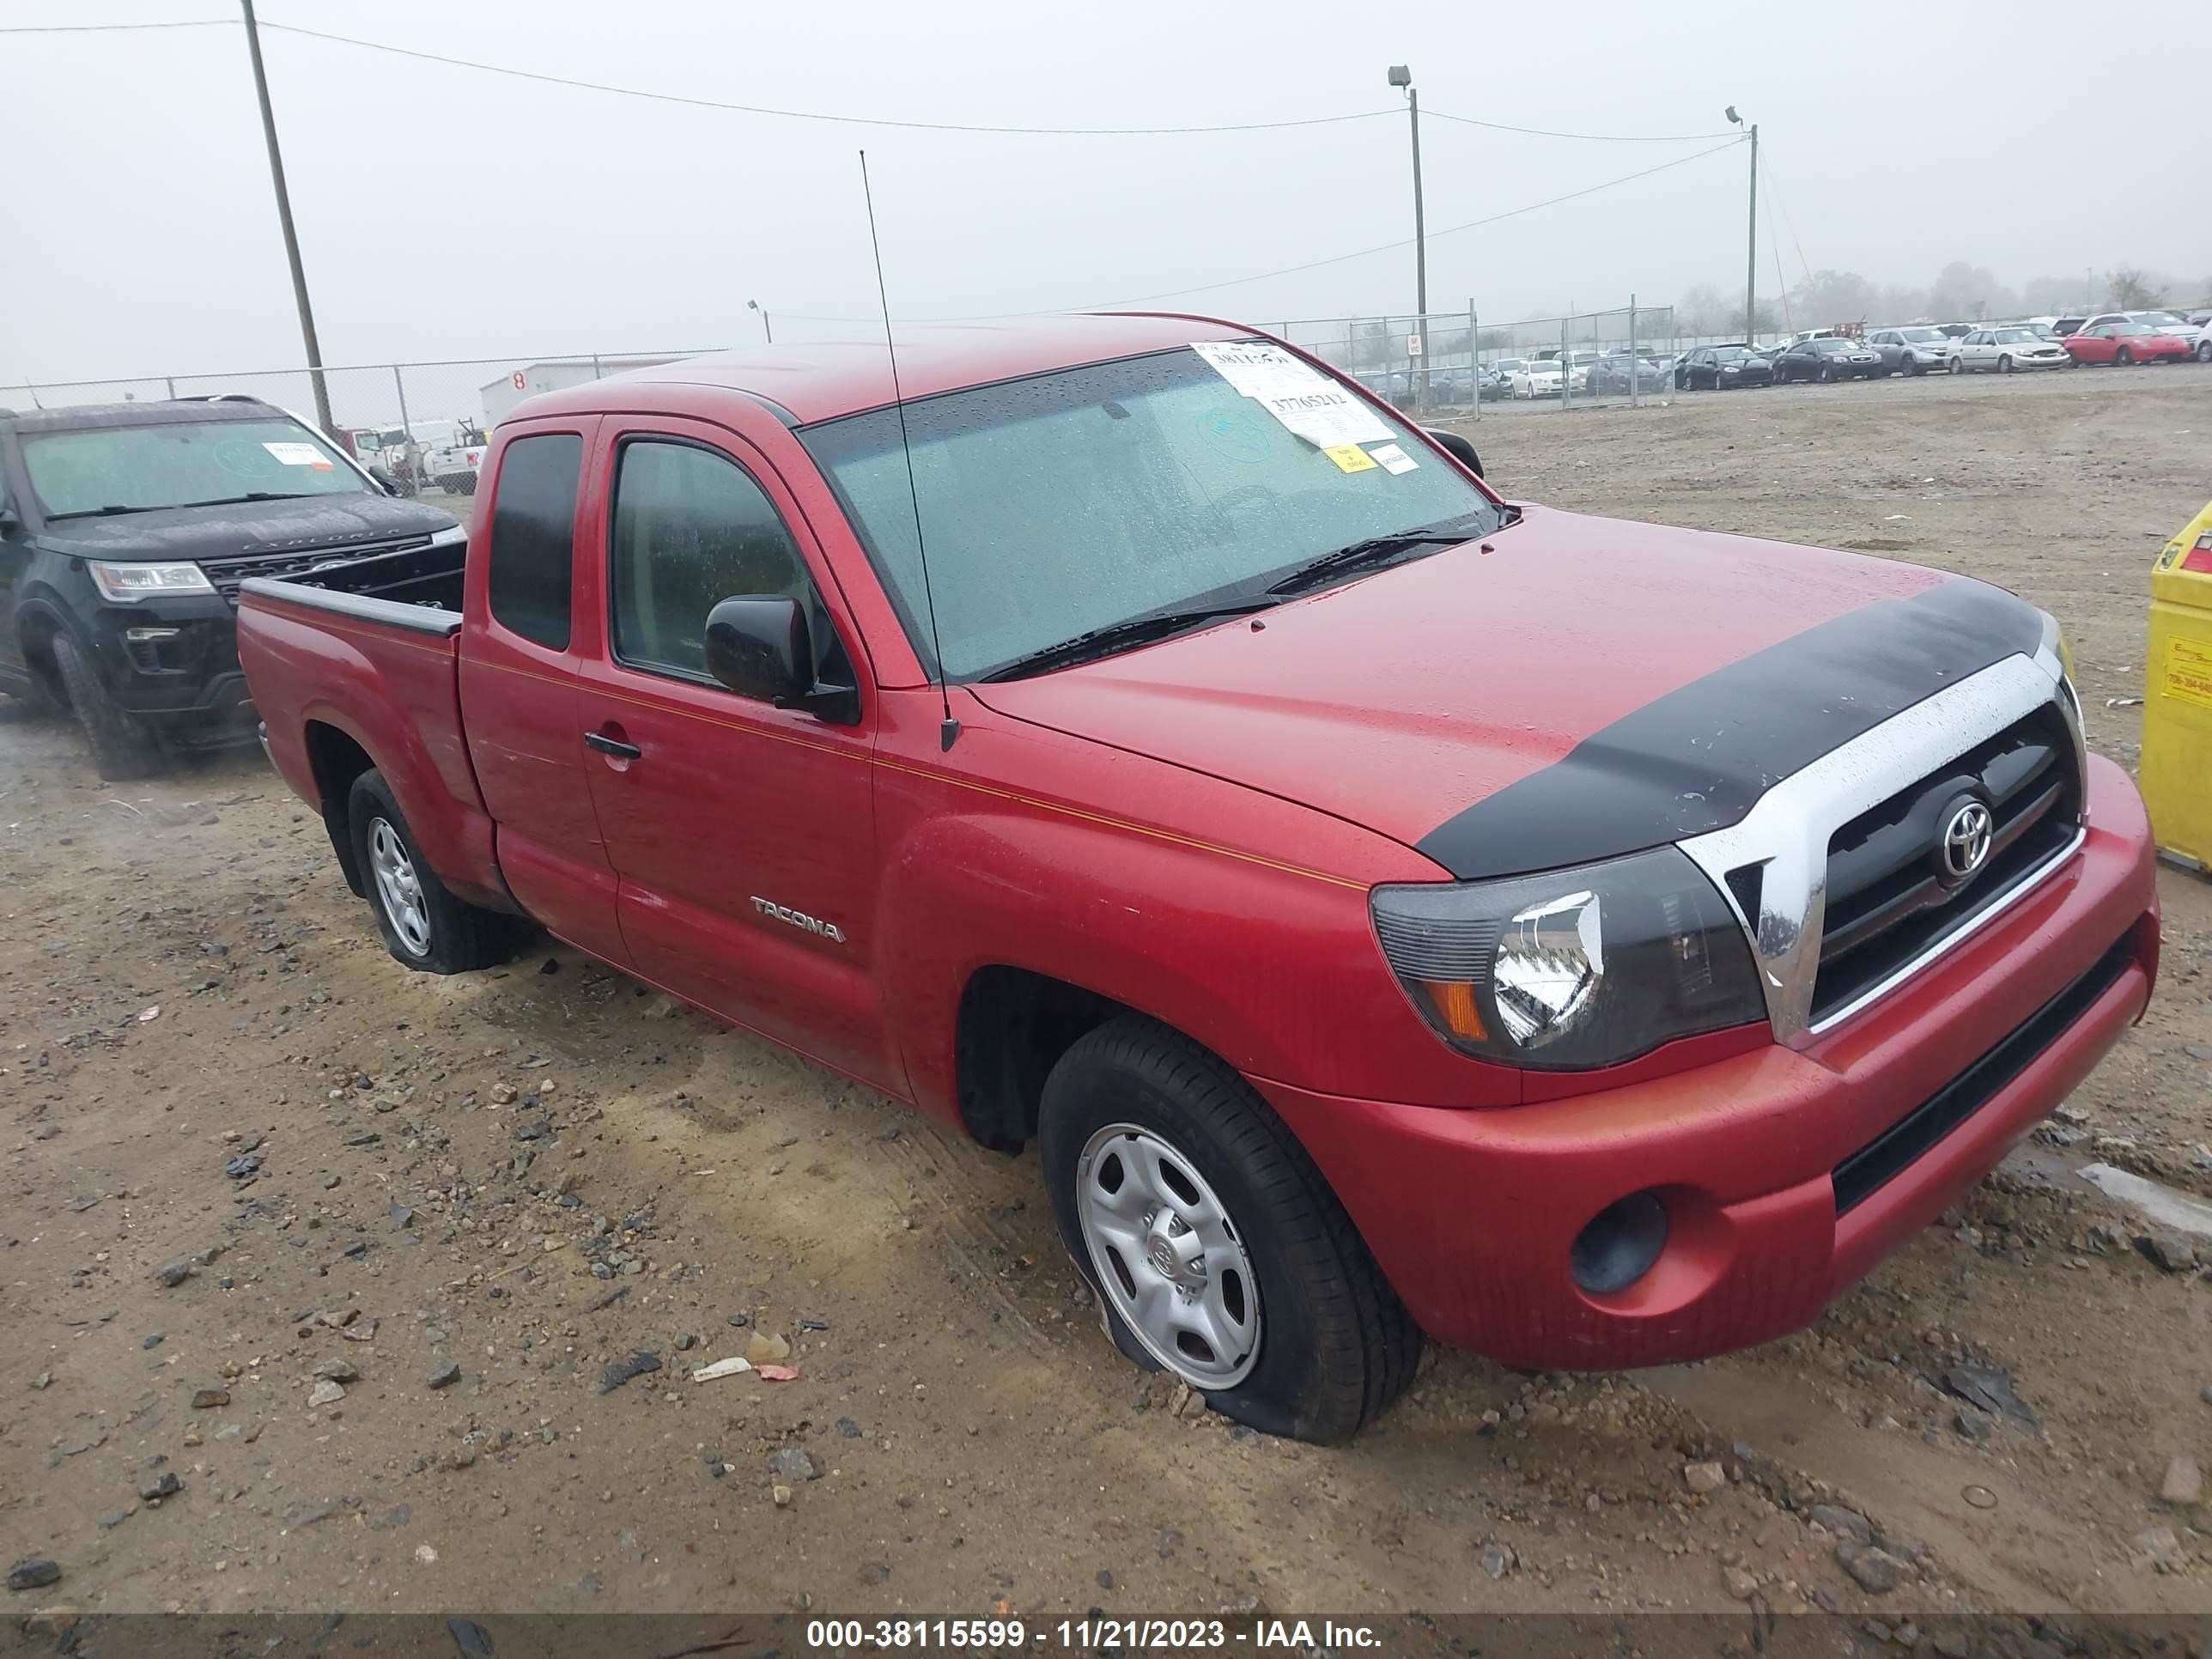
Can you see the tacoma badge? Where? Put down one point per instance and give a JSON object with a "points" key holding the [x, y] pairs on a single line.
{"points": [[828, 930]]}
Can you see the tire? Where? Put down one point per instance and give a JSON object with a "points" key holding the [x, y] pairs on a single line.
{"points": [[2004, 363], [1957, 365], [1331, 1343], [424, 926], [2204, 351], [123, 746], [1825, 375], [2125, 357]]}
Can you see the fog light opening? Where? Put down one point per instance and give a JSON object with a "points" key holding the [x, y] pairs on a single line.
{"points": [[1621, 1243]]}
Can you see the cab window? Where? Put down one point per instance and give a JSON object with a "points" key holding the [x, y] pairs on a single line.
{"points": [[689, 529]]}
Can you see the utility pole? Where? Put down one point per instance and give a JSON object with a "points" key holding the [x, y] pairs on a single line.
{"points": [[1400, 76], [1751, 238], [284, 218]]}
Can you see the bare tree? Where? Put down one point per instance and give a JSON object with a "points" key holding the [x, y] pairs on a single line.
{"points": [[2132, 287]]}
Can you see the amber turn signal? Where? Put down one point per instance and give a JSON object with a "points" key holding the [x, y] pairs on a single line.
{"points": [[1454, 1005]]}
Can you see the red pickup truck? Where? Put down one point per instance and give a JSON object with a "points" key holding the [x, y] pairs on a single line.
{"points": [[1391, 910]]}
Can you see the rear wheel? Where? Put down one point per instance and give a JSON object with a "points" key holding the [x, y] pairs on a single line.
{"points": [[1217, 1249], [123, 746], [423, 925]]}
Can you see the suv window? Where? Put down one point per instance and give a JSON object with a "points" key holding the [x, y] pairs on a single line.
{"points": [[690, 528], [533, 530]]}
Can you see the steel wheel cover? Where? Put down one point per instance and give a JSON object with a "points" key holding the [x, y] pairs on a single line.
{"points": [[1169, 1256]]}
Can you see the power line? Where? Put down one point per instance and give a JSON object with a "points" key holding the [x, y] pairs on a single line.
{"points": [[806, 114], [1311, 264], [1594, 137], [1384, 247], [117, 28]]}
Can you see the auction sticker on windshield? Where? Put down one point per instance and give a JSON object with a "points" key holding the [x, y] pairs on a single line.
{"points": [[295, 454], [1349, 458], [1302, 399], [1393, 459]]}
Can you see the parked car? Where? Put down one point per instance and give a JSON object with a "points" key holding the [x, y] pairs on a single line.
{"points": [[2162, 320], [2126, 342], [1612, 992], [1614, 374], [1538, 377], [2013, 346], [125, 530], [1721, 368], [2063, 326], [1913, 351], [2202, 346], [1826, 358]]}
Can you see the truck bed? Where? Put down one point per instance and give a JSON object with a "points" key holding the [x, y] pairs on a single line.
{"points": [[340, 676]]}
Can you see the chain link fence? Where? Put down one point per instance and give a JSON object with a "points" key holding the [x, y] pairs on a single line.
{"points": [[425, 423], [1456, 364]]}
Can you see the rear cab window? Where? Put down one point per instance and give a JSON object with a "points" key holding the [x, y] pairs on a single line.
{"points": [[532, 559]]}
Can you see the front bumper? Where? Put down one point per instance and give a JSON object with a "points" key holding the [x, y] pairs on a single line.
{"points": [[173, 661], [1473, 1213]]}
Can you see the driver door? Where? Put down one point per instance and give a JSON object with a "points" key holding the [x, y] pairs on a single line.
{"points": [[743, 835]]}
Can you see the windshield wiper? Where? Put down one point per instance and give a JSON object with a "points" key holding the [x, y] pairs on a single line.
{"points": [[255, 496], [98, 512], [1376, 550], [113, 507], [1137, 630]]}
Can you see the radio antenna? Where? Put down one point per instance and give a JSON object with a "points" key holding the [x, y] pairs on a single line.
{"points": [[950, 730]]}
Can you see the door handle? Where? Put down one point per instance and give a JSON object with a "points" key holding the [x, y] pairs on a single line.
{"points": [[614, 746]]}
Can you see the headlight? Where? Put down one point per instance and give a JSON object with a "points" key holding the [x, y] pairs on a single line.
{"points": [[1574, 969], [451, 535], [140, 581]]}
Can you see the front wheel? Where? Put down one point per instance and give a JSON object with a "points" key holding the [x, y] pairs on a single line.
{"points": [[1825, 374], [2123, 357], [423, 925], [123, 746], [1217, 1249], [2004, 364], [2204, 351]]}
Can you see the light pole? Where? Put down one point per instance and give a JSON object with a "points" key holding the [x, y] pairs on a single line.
{"points": [[1400, 76], [284, 219], [1751, 236], [755, 305]]}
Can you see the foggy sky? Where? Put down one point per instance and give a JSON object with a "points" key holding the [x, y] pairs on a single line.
{"points": [[445, 213]]}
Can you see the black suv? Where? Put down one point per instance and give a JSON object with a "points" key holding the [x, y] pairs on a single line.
{"points": [[125, 530]]}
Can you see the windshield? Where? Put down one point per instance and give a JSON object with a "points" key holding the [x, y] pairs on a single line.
{"points": [[1068, 502], [2133, 328], [2017, 335], [1922, 336], [181, 464], [1831, 347]]}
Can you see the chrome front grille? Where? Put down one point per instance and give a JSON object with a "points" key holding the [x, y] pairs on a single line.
{"points": [[301, 565], [1831, 872], [1891, 897]]}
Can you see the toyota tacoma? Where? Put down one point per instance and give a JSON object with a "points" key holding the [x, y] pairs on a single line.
{"points": [[1391, 910]]}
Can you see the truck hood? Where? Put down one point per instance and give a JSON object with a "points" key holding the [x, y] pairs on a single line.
{"points": [[178, 533], [1576, 689]]}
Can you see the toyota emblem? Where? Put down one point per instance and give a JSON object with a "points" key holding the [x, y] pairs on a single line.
{"points": [[1965, 840]]}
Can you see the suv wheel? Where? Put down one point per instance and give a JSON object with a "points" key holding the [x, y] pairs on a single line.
{"points": [[1217, 1250], [424, 925], [123, 746], [2204, 351]]}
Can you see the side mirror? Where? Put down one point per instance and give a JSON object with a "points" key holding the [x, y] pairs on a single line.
{"points": [[1457, 446], [759, 646], [384, 480]]}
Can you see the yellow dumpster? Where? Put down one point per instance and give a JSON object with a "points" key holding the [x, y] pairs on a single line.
{"points": [[2177, 746]]}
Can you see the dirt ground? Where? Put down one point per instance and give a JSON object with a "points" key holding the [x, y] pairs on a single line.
{"points": [[208, 1062]]}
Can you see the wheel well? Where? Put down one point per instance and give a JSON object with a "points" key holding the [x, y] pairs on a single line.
{"points": [[1013, 1027], [338, 760], [38, 642]]}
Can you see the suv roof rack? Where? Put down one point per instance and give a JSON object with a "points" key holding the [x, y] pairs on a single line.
{"points": [[220, 398]]}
